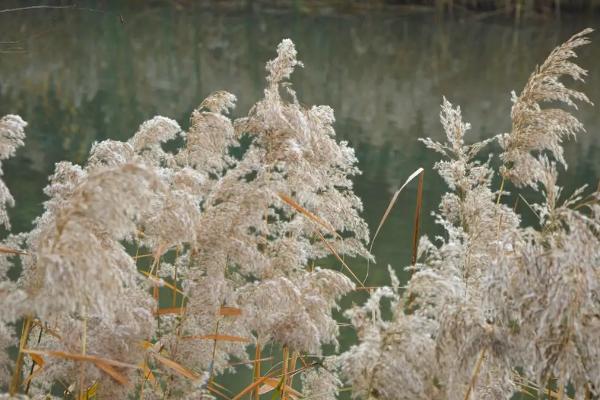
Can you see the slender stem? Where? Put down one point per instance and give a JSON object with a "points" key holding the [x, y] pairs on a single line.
{"points": [[174, 298], [214, 353], [83, 352], [39, 339], [286, 354], [588, 392], [16, 378], [256, 369], [417, 220], [501, 190], [292, 367], [475, 373], [561, 391]]}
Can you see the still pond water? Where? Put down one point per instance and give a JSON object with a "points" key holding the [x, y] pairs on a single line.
{"points": [[79, 77]]}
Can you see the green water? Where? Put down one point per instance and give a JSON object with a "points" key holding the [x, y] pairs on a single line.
{"points": [[81, 76]]}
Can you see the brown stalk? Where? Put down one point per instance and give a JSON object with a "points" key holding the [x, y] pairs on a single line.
{"points": [[292, 367], [37, 360], [588, 392], [561, 391], [391, 205], [256, 372], [284, 377], [417, 221], [16, 378], [214, 352], [83, 351], [386, 214]]}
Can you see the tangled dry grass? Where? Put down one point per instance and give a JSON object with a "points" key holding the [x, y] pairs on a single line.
{"points": [[153, 271]]}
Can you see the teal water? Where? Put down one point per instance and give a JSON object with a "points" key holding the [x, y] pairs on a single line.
{"points": [[81, 76]]}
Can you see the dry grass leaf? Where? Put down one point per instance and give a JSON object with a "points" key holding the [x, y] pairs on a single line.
{"points": [[272, 383], [216, 391], [8, 250], [223, 311], [230, 311], [112, 372], [391, 204], [289, 201], [170, 310], [148, 374], [176, 367], [90, 393], [217, 337], [38, 359], [251, 387], [79, 357], [103, 364], [39, 363]]}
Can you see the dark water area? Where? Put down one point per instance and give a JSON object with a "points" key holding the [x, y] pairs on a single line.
{"points": [[82, 76]]}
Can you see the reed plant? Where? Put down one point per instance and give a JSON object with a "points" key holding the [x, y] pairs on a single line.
{"points": [[168, 259]]}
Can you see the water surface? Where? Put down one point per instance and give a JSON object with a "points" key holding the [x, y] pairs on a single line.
{"points": [[79, 77]]}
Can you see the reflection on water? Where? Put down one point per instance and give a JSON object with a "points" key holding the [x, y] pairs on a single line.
{"points": [[86, 76]]}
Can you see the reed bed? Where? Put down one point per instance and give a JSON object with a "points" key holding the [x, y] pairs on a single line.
{"points": [[152, 272]]}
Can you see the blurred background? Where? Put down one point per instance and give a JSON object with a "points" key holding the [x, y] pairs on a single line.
{"points": [[85, 71]]}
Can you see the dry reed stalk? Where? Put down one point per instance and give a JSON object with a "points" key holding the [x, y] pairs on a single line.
{"points": [[214, 352], [417, 220], [284, 376], [292, 367], [83, 352], [174, 289], [391, 205], [36, 361], [15, 381], [561, 390], [386, 214], [218, 337], [475, 373], [256, 372]]}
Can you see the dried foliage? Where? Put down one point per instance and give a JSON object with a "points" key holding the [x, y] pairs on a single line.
{"points": [[494, 307], [152, 270]]}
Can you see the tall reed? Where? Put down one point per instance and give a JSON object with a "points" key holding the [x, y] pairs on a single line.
{"points": [[495, 307], [153, 271]]}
